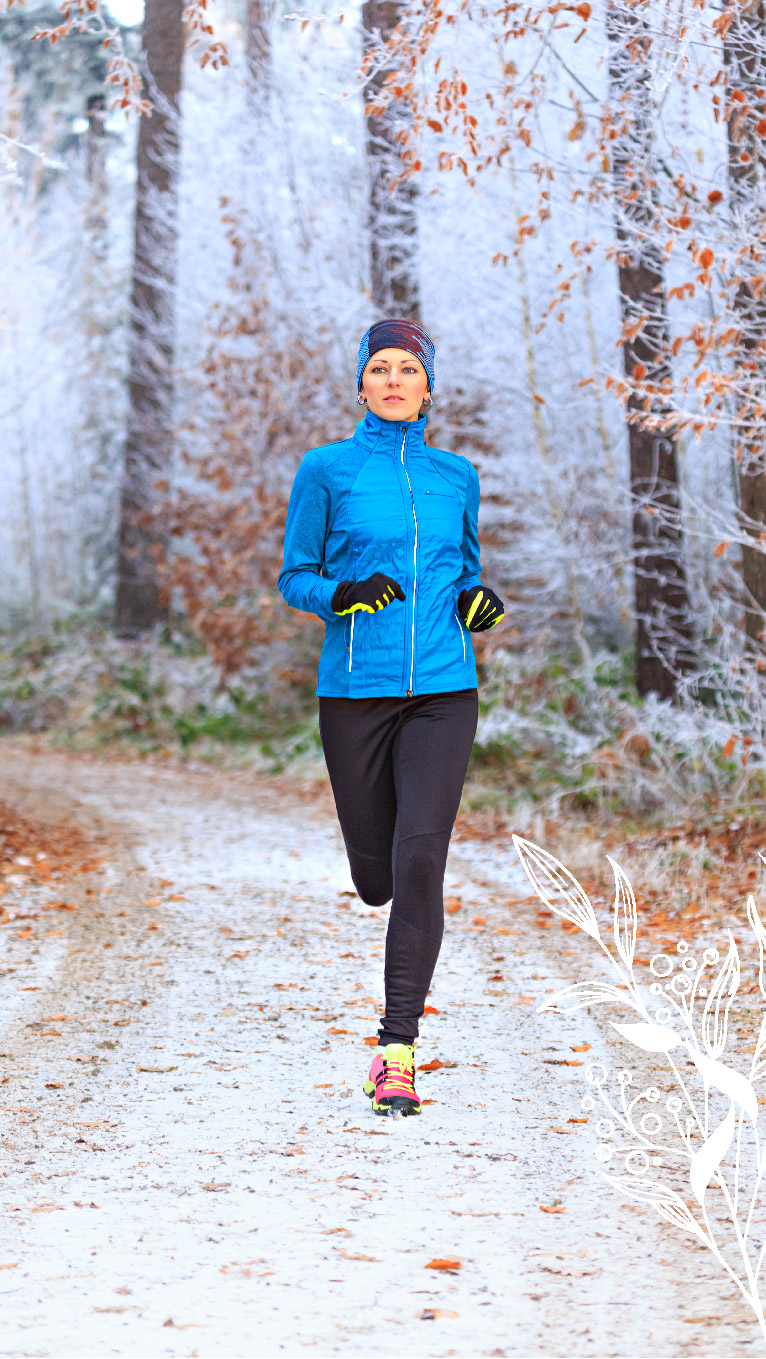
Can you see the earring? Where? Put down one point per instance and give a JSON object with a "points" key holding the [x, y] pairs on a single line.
{"points": [[428, 401], [361, 400]]}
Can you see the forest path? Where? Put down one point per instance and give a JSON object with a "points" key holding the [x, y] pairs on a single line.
{"points": [[190, 1165]]}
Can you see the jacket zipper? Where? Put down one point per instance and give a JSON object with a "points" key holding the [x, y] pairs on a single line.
{"points": [[351, 644], [415, 562], [462, 635]]}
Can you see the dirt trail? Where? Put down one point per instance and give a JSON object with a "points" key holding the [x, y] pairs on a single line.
{"points": [[190, 1167]]}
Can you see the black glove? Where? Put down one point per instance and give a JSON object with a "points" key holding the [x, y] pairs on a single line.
{"points": [[366, 595], [480, 608]]}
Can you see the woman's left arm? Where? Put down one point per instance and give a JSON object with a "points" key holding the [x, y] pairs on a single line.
{"points": [[479, 607], [471, 572]]}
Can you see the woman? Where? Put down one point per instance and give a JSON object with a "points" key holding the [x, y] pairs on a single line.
{"points": [[381, 543]]}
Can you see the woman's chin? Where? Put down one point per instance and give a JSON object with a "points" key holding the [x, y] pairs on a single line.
{"points": [[395, 410]]}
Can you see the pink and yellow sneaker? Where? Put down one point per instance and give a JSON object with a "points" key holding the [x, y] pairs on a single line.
{"points": [[391, 1082]]}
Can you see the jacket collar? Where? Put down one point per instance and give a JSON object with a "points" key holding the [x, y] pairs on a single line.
{"points": [[386, 435]]}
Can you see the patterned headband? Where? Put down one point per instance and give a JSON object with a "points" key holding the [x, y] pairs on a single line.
{"points": [[396, 335]]}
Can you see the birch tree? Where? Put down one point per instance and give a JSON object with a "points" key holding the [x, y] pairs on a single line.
{"points": [[148, 445], [662, 612], [745, 61], [393, 201]]}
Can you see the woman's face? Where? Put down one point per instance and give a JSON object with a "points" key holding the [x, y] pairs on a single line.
{"points": [[395, 384]]}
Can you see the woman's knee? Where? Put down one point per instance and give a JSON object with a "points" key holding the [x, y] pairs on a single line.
{"points": [[373, 879]]}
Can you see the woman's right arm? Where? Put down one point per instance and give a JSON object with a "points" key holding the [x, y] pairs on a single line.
{"points": [[308, 521]]}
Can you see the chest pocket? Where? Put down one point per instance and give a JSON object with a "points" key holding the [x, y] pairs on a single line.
{"points": [[439, 511]]}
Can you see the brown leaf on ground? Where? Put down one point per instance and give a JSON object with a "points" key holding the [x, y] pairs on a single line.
{"points": [[433, 1065], [551, 1208], [449, 1263]]}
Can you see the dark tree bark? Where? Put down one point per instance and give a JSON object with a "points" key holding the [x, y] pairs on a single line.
{"points": [[663, 615], [746, 77], [258, 46], [392, 216], [140, 602]]}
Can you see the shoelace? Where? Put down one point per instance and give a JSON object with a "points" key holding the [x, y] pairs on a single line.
{"points": [[401, 1076]]}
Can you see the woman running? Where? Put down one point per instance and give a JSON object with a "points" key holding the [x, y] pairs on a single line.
{"points": [[381, 543]]}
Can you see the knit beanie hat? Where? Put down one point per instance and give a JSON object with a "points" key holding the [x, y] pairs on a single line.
{"points": [[396, 335]]}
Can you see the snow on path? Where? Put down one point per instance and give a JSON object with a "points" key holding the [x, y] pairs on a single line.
{"points": [[241, 1199]]}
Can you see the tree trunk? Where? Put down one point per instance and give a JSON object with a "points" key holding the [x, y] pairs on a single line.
{"points": [[746, 72], [140, 603], [258, 46], [392, 216], [663, 616]]}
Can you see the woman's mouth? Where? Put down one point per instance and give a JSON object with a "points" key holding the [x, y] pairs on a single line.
{"points": [[393, 398]]}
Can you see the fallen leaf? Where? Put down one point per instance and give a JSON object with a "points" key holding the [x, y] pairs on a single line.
{"points": [[579, 1047], [152, 901], [433, 1065], [371, 1042], [53, 1019], [428, 1101], [437, 1313], [15, 1265], [242, 954], [430, 1010], [139, 1067], [54, 1085], [524, 1000], [348, 955], [553, 1208], [480, 920], [449, 1263], [327, 1086], [214, 1188], [29, 988], [334, 1030], [577, 1120]]}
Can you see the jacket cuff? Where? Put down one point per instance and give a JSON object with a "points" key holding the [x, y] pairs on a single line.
{"points": [[338, 601]]}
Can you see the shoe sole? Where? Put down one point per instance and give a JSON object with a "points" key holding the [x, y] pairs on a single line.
{"points": [[398, 1104]]}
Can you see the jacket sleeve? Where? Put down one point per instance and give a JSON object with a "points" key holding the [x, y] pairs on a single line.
{"points": [[309, 515], [470, 545]]}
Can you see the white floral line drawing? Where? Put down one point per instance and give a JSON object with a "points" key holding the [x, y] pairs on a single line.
{"points": [[726, 1213]]}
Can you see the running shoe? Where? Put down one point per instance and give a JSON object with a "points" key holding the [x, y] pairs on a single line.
{"points": [[391, 1082]]}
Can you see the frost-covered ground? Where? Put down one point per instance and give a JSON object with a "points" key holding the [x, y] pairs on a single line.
{"points": [[190, 1167]]}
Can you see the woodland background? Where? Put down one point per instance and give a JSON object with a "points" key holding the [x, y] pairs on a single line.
{"points": [[199, 219]]}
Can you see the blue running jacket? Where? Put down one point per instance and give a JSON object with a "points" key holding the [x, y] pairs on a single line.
{"points": [[384, 501]]}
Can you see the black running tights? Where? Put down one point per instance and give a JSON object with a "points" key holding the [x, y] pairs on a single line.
{"points": [[397, 767]]}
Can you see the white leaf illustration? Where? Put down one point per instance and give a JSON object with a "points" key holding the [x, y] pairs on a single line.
{"points": [[759, 930], [758, 1066], [667, 1203], [624, 914], [585, 993], [736, 1086], [706, 1161], [552, 882], [678, 1215], [722, 993], [646, 1191], [650, 1037]]}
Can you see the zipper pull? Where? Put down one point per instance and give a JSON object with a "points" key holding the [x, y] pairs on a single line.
{"points": [[410, 694]]}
